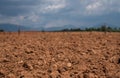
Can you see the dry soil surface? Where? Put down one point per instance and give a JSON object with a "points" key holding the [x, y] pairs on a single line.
{"points": [[60, 55]]}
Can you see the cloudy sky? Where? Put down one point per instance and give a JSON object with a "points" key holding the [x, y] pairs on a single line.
{"points": [[56, 13]]}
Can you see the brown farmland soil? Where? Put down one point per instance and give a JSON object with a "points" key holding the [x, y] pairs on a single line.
{"points": [[60, 55]]}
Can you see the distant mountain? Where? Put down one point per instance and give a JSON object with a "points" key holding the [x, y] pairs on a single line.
{"points": [[110, 25], [13, 27], [60, 28], [81, 27]]}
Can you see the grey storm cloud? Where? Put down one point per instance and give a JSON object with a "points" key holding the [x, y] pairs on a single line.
{"points": [[50, 13], [16, 7]]}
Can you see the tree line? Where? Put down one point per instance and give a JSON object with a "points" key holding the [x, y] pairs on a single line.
{"points": [[102, 28], [1, 30]]}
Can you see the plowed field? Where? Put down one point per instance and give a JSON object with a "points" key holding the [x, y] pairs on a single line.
{"points": [[60, 55]]}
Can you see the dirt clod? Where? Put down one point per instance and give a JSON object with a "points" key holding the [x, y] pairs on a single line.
{"points": [[27, 66], [69, 64], [119, 61], [11, 76], [2, 75]]}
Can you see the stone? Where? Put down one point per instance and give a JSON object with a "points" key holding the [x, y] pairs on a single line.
{"points": [[69, 64], [11, 75]]}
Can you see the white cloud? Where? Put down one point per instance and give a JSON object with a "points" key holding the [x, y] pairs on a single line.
{"points": [[33, 17], [54, 7], [94, 6], [102, 6], [51, 6], [21, 17]]}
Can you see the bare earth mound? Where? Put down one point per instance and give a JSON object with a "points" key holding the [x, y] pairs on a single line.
{"points": [[60, 55]]}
